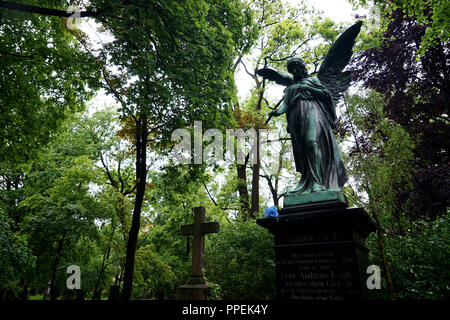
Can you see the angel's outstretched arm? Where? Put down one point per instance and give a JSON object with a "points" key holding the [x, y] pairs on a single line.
{"points": [[278, 76], [279, 112]]}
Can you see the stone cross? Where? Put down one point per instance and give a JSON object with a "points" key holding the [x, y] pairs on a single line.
{"points": [[198, 231]]}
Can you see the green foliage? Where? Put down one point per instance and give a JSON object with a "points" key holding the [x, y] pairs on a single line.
{"points": [[169, 62], [286, 30], [170, 247], [381, 161], [173, 62], [432, 13], [418, 259], [44, 79], [16, 258], [152, 271], [57, 216], [240, 260], [56, 219]]}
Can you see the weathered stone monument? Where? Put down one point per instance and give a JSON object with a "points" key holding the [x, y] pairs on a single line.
{"points": [[319, 241], [320, 252], [196, 289]]}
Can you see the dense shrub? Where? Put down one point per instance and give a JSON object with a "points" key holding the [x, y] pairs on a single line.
{"points": [[240, 260]]}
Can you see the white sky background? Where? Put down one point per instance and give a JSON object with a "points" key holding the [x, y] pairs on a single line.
{"points": [[338, 10]]}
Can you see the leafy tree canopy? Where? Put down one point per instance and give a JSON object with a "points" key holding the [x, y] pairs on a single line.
{"points": [[433, 15], [44, 78]]}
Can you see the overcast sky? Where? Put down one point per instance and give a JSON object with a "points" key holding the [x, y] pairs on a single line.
{"points": [[338, 10]]}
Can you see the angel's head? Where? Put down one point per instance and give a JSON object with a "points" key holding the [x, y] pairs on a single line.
{"points": [[297, 67]]}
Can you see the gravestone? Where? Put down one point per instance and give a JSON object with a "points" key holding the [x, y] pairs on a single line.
{"points": [[320, 252], [196, 289]]}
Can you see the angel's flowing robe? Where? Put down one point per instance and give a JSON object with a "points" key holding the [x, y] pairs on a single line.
{"points": [[311, 118]]}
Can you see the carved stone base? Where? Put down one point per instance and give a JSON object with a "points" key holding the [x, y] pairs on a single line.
{"points": [[192, 292], [313, 197], [320, 252]]}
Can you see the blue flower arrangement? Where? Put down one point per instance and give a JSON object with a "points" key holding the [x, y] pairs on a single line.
{"points": [[270, 212]]}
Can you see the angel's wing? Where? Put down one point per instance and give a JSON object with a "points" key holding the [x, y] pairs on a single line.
{"points": [[337, 58], [280, 77]]}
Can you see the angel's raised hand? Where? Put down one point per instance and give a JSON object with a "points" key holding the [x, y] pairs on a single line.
{"points": [[274, 113]]}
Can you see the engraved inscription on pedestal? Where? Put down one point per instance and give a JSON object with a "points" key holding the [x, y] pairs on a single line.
{"points": [[320, 254], [312, 273]]}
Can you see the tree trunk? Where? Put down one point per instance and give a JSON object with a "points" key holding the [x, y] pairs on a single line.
{"points": [[97, 295], [122, 214], [383, 257], [43, 11], [255, 181], [242, 188], [256, 165], [53, 294], [273, 190], [141, 175]]}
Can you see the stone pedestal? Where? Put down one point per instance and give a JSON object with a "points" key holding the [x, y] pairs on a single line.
{"points": [[320, 252], [192, 292]]}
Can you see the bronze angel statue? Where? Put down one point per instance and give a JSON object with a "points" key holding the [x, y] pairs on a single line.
{"points": [[309, 104]]}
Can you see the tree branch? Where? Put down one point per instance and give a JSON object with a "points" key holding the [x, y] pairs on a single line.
{"points": [[18, 55], [238, 60], [246, 70], [108, 173], [45, 11], [207, 191], [292, 54]]}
